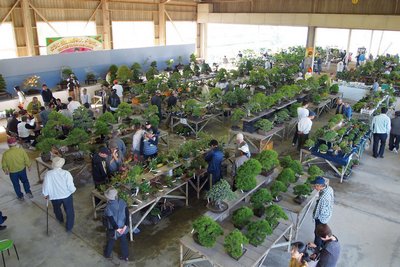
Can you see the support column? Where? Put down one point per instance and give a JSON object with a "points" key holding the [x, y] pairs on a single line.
{"points": [[106, 24], [310, 45], [370, 43], [349, 41], [202, 49], [162, 32], [28, 29]]}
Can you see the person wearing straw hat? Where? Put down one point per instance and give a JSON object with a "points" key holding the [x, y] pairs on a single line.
{"points": [[14, 162], [117, 217], [58, 186], [244, 151]]}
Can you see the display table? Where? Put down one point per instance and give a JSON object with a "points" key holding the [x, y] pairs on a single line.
{"points": [[195, 125], [217, 256], [42, 166], [325, 105], [263, 140], [366, 114], [163, 136]]}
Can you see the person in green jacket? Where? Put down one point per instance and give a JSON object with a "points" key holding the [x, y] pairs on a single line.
{"points": [[14, 162]]}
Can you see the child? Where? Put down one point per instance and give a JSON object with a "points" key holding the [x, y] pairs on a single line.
{"points": [[299, 255]]}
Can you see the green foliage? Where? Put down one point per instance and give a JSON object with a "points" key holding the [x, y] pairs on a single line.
{"points": [[230, 98], [268, 159], [296, 166], [337, 118], [101, 128], [285, 161], [124, 110], [221, 75], [233, 243], [145, 187], [192, 107], [281, 116], [242, 95], [302, 190], [258, 231], [334, 89], [260, 198], [246, 175], [323, 148], [82, 118], [314, 170], [293, 109], [208, 230], [77, 137], [2, 84], [274, 213], [287, 176], [215, 94], [220, 191], [134, 174], [241, 217], [151, 72], [151, 114], [107, 117], [53, 128], [309, 143], [237, 115], [330, 136], [124, 73], [136, 71], [264, 125], [277, 187]]}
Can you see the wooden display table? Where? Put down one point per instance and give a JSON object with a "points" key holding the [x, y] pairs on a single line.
{"points": [[217, 256], [42, 167], [194, 125]]}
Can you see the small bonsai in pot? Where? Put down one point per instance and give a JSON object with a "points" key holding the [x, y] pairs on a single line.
{"points": [[309, 143], [301, 191], [296, 166], [237, 115], [276, 188], [107, 117], [281, 117], [273, 213], [329, 136], [246, 175], [323, 148], [217, 194], [314, 170], [123, 111], [285, 161], [234, 244], [287, 176], [334, 89], [258, 231], [124, 74], [241, 217], [230, 98], [269, 160], [264, 126], [259, 199], [206, 231]]}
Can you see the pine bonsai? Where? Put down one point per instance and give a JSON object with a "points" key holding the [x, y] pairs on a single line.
{"points": [[136, 71], [124, 110], [314, 170], [234, 242], [268, 159], [287, 176], [219, 192], [2, 84], [246, 175], [207, 231], [101, 128], [296, 166], [323, 148], [258, 231], [124, 74], [241, 217], [82, 118], [264, 125], [276, 188], [285, 161], [259, 199], [230, 98], [107, 117], [334, 89], [273, 213], [237, 115], [302, 190]]}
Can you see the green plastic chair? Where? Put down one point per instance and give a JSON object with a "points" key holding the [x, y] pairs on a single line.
{"points": [[6, 244]]}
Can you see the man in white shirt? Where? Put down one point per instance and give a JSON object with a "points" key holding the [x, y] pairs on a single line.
{"points": [[72, 105], [136, 140], [58, 186], [302, 112], [380, 127], [85, 97], [118, 88], [304, 128]]}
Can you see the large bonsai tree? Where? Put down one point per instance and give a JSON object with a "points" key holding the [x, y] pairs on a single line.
{"points": [[207, 231]]}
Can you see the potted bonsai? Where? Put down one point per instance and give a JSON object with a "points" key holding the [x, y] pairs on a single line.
{"points": [[323, 148], [217, 194], [124, 74], [258, 231], [230, 98], [237, 115], [206, 231], [123, 112], [296, 166], [264, 126], [334, 89], [273, 213], [309, 144], [314, 170], [82, 119], [136, 72], [234, 244], [259, 199], [281, 117], [276, 188], [287, 176], [301, 191], [241, 217], [269, 160], [246, 175]]}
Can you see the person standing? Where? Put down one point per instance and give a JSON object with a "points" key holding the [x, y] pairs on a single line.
{"points": [[172, 100], [380, 128], [119, 143], [73, 105], [114, 161], [72, 86], [149, 145], [302, 112], [117, 219], [47, 95], [324, 206], [242, 158], [136, 141], [58, 186], [14, 162], [214, 157], [394, 138], [339, 106], [99, 167], [114, 101], [2, 220], [85, 97], [329, 253], [156, 100], [104, 98], [21, 97], [375, 86], [304, 128], [119, 89], [241, 143]]}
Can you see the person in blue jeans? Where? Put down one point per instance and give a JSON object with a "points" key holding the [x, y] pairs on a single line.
{"points": [[2, 220], [214, 157]]}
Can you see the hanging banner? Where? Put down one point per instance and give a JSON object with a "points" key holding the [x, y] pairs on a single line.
{"points": [[59, 45]]}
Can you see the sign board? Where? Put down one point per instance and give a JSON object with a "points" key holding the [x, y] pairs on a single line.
{"points": [[59, 45]]}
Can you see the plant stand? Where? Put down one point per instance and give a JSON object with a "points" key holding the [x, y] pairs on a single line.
{"points": [[42, 167], [197, 125]]}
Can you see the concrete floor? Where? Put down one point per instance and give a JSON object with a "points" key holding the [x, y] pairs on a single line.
{"points": [[366, 220]]}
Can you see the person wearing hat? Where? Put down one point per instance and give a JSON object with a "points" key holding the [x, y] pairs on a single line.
{"points": [[47, 95], [241, 143], [324, 206], [117, 216], [304, 128], [14, 162], [58, 186], [394, 138], [242, 158], [380, 128], [156, 100], [214, 157], [99, 166], [149, 145], [113, 101], [119, 90]]}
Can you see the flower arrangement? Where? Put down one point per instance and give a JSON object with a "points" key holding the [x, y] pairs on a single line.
{"points": [[32, 82]]}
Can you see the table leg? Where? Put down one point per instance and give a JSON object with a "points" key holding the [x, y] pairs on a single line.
{"points": [[38, 172], [130, 228], [187, 194], [180, 255], [290, 238], [198, 187], [94, 206]]}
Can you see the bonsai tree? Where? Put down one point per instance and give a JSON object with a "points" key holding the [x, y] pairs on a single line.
{"points": [[124, 73], [124, 110], [101, 128], [242, 95], [112, 70], [334, 89], [219, 192], [301, 192], [133, 175], [281, 117], [264, 125], [241, 217], [258, 231], [276, 188], [287, 176], [169, 64], [293, 109], [237, 115], [107, 117], [234, 242], [151, 114], [246, 175], [230, 98], [330, 135], [268, 160], [314, 170], [152, 71], [323, 148], [82, 118], [136, 71], [207, 231], [77, 137], [309, 143], [216, 94], [2, 84], [285, 161], [296, 166], [259, 199], [273, 213]]}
